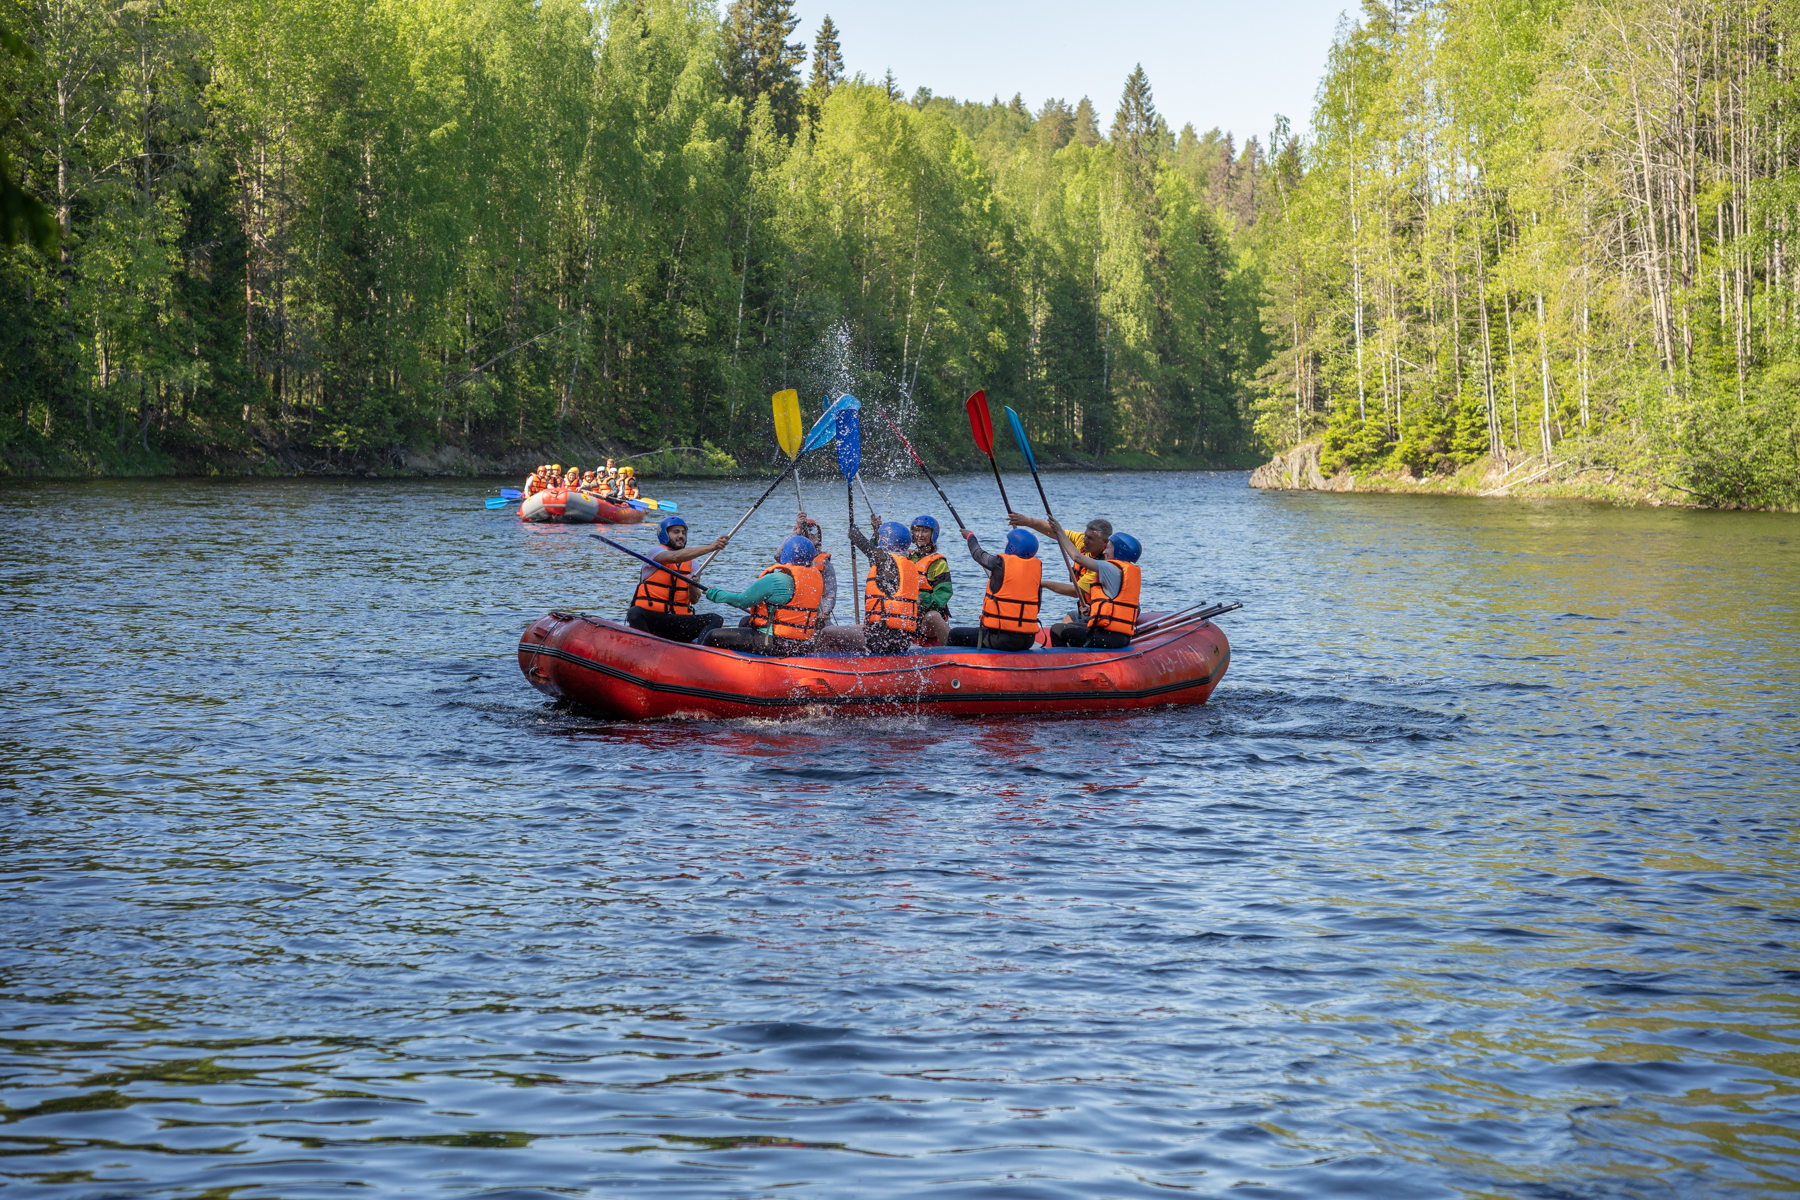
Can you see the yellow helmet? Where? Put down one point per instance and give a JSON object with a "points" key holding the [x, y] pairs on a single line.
{"points": [[631, 470]]}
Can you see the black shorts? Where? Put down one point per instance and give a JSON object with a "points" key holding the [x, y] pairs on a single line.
{"points": [[673, 627], [882, 640], [1093, 639], [755, 641], [992, 639]]}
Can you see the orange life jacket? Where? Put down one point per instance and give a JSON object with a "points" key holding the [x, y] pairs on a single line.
{"points": [[656, 591], [925, 586], [1119, 614], [798, 619], [1014, 608], [900, 610]]}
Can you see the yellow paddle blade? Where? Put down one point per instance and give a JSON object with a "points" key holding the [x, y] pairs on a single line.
{"points": [[787, 421], [652, 504]]}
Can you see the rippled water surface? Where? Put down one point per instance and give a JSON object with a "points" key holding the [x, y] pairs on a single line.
{"points": [[1476, 877]]}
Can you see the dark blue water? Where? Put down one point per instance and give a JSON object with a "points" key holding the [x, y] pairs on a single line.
{"points": [[1476, 878]]}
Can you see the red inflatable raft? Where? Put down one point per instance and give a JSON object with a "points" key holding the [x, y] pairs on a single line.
{"points": [[614, 670], [572, 507]]}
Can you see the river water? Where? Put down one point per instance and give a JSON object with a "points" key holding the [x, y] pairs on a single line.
{"points": [[1477, 877]]}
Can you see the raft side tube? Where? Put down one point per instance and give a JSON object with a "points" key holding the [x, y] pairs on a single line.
{"points": [[618, 671]]}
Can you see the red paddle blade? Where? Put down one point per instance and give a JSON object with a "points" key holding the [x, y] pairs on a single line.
{"points": [[980, 423]]}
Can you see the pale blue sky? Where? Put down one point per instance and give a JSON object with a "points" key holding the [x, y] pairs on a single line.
{"points": [[1212, 62]]}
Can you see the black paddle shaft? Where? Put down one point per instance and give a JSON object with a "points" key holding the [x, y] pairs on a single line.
{"points": [[1003, 498], [793, 466], [928, 475], [644, 558]]}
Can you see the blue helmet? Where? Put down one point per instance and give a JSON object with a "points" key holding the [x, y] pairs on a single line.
{"points": [[929, 522], [1126, 548], [798, 550], [1022, 543], [893, 536], [668, 523]]}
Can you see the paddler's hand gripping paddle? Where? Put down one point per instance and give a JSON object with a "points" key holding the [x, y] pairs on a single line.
{"points": [[1018, 432]]}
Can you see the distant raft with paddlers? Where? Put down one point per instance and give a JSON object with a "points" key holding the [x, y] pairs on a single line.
{"points": [[612, 670], [572, 507]]}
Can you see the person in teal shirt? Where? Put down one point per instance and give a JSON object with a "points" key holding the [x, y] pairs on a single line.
{"points": [[783, 604]]}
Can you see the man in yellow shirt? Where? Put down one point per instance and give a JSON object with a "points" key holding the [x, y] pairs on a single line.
{"points": [[1092, 541]]}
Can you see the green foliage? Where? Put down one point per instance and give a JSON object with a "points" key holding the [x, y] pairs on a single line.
{"points": [[1517, 232], [318, 234]]}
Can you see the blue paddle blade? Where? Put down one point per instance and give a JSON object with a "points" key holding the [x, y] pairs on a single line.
{"points": [[825, 428], [498, 502], [511, 494], [849, 443], [666, 506], [1012, 418]]}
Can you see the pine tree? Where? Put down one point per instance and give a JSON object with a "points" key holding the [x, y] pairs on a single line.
{"points": [[1087, 126], [759, 60], [1134, 125], [1055, 125], [827, 67]]}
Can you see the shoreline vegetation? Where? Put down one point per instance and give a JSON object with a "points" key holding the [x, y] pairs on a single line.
{"points": [[346, 239], [682, 462], [328, 236], [1556, 233]]}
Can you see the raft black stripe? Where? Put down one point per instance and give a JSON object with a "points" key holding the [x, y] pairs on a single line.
{"points": [[809, 701]]}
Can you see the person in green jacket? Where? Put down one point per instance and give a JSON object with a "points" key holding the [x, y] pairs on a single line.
{"points": [[935, 588], [783, 603]]}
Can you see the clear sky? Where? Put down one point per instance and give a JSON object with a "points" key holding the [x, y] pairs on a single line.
{"points": [[1230, 63]]}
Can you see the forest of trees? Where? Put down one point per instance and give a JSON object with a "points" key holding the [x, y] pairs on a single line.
{"points": [[1553, 231], [324, 232]]}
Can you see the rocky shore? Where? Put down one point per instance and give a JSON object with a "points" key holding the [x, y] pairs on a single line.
{"points": [[1298, 469]]}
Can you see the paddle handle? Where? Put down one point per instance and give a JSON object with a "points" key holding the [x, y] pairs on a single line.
{"points": [[1196, 618], [1003, 499], [1169, 618], [734, 529], [921, 464], [1068, 563], [865, 492], [640, 557]]}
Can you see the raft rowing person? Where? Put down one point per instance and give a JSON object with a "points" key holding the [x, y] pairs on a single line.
{"points": [[890, 623], [1009, 607], [783, 605], [1109, 587], [935, 588], [663, 606]]}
